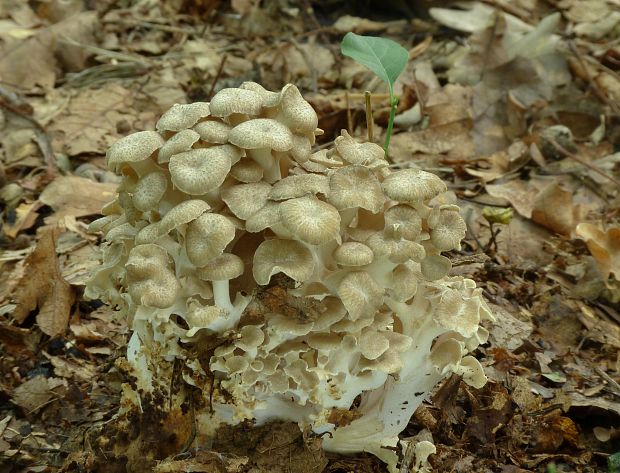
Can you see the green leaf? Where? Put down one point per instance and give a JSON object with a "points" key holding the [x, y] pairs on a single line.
{"points": [[384, 57]]}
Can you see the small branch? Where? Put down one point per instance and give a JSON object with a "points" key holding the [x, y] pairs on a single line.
{"points": [[349, 116], [593, 168]]}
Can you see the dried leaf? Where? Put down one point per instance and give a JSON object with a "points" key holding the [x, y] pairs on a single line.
{"points": [[43, 287], [604, 246]]}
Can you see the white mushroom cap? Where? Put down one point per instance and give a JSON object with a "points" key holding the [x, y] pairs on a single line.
{"points": [[412, 186], [182, 141], [353, 253], [222, 268], [207, 237], [286, 256], [182, 116], [355, 186], [404, 282], [310, 219], [213, 131], [234, 100], [262, 133], [268, 98], [133, 148], [202, 170], [373, 344]]}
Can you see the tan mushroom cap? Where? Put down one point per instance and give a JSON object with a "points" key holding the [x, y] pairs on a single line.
{"points": [[397, 249], [352, 253], [182, 116], [180, 142], [412, 186], [247, 170], [360, 294], [267, 216], [296, 113], [202, 170], [244, 200], [207, 237], [297, 186], [472, 372], [133, 148], [435, 267], [268, 98], [446, 354], [455, 311], [404, 282], [406, 218], [213, 131], [150, 281], [389, 362], [286, 256], [181, 214], [358, 153], [302, 148], [373, 344], [448, 231], [251, 336], [234, 100], [355, 186], [262, 133], [149, 191], [310, 219], [222, 268]]}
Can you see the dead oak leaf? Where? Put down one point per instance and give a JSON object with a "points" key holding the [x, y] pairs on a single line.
{"points": [[604, 246], [42, 286]]}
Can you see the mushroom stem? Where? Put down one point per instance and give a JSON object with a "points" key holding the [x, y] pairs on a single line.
{"points": [[268, 162], [221, 295]]}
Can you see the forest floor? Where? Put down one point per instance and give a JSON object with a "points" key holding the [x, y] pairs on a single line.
{"points": [[514, 103]]}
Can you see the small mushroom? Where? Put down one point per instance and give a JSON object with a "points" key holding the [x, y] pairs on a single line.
{"points": [[286, 256], [310, 219], [207, 236]]}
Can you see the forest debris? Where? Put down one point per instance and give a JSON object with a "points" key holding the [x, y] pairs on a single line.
{"points": [[60, 195], [202, 462], [43, 287], [508, 331]]}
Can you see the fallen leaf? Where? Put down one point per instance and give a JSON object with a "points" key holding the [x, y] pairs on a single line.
{"points": [[43, 287], [61, 194], [35, 393], [554, 209]]}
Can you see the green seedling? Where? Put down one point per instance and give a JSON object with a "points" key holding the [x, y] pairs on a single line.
{"points": [[384, 57]]}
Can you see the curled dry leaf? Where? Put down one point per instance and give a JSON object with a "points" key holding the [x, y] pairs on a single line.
{"points": [[604, 246]]}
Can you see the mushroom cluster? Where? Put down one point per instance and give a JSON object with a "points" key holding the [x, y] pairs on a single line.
{"points": [[313, 281]]}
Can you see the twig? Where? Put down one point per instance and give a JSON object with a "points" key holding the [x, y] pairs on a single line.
{"points": [[614, 387], [349, 116], [217, 76], [593, 168]]}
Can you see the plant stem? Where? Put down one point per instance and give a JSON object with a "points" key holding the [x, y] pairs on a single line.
{"points": [[369, 120], [388, 132]]}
